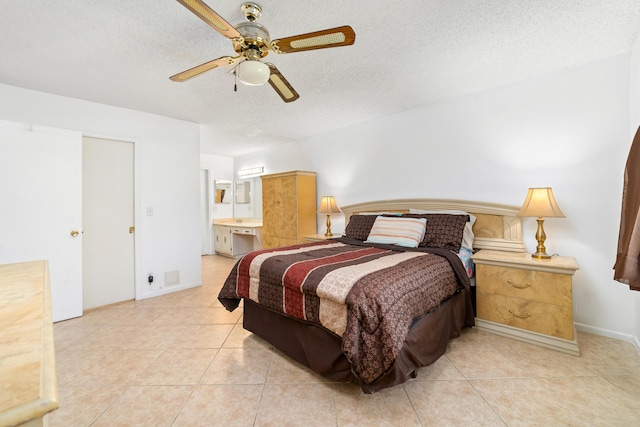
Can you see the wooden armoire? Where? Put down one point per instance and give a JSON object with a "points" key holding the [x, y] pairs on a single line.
{"points": [[288, 208]]}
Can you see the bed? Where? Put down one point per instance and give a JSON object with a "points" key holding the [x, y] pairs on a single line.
{"points": [[377, 303]]}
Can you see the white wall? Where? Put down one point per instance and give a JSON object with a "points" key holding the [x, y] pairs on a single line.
{"points": [[166, 176], [569, 131]]}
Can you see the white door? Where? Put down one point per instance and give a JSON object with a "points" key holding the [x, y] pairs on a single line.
{"points": [[107, 219], [40, 206], [205, 224]]}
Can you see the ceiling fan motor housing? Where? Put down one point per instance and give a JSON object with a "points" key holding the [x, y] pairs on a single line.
{"points": [[256, 37]]}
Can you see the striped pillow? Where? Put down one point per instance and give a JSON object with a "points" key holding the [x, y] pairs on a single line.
{"points": [[407, 232]]}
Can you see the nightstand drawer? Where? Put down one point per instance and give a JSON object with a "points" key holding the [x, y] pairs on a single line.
{"points": [[534, 316], [532, 285]]}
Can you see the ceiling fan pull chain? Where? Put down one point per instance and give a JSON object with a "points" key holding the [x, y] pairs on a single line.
{"points": [[235, 80]]}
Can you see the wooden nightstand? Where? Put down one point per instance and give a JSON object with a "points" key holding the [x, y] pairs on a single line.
{"points": [[526, 299], [320, 237]]}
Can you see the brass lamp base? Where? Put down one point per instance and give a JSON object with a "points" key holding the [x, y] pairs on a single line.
{"points": [[541, 251], [543, 255], [328, 233]]}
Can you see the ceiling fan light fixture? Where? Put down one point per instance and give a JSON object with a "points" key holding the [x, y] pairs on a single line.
{"points": [[253, 73]]}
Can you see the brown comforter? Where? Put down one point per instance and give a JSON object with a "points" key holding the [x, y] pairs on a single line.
{"points": [[367, 294]]}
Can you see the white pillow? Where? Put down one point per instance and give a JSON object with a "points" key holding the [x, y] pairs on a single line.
{"points": [[467, 235], [407, 232]]}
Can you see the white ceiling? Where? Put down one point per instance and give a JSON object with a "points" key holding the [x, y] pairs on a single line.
{"points": [[406, 54]]}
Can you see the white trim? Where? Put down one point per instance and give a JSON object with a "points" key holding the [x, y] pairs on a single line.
{"points": [[609, 333], [169, 289], [210, 203], [530, 337]]}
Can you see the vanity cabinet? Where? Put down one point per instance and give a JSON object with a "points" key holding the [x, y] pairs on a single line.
{"points": [[234, 240], [222, 239], [288, 208]]}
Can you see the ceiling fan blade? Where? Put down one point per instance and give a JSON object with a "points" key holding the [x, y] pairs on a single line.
{"points": [[199, 69], [204, 12], [334, 37], [281, 85]]}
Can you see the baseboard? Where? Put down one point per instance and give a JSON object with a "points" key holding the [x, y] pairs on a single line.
{"points": [[610, 334], [604, 332], [168, 290]]}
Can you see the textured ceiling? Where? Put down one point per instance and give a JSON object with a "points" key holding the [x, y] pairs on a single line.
{"points": [[407, 54]]}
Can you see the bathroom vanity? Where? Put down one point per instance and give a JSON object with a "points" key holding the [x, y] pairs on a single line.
{"points": [[234, 237]]}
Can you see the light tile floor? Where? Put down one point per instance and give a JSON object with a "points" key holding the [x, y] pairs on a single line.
{"points": [[182, 360]]}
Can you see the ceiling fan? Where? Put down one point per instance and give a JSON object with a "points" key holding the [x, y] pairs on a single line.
{"points": [[251, 41]]}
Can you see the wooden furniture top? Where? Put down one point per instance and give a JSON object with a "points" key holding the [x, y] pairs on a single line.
{"points": [[27, 361], [556, 264], [290, 173], [239, 222]]}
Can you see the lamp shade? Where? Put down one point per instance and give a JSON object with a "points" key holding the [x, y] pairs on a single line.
{"points": [[253, 72], [328, 205], [540, 203]]}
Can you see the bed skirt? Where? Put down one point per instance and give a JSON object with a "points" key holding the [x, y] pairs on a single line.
{"points": [[321, 350]]}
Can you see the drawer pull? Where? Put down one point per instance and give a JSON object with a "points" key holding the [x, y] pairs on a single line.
{"points": [[518, 286], [520, 316]]}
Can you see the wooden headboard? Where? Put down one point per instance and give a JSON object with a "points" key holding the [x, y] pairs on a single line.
{"points": [[497, 226]]}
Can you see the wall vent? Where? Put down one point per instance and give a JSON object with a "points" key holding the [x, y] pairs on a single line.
{"points": [[171, 278]]}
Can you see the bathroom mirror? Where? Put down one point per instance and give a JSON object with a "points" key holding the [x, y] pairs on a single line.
{"points": [[243, 192], [223, 191]]}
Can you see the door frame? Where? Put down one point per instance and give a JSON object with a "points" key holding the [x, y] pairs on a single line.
{"points": [[209, 203]]}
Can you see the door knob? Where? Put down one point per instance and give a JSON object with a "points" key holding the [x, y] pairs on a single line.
{"points": [[131, 230], [74, 233]]}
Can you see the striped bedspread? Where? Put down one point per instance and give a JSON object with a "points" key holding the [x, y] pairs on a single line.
{"points": [[367, 294]]}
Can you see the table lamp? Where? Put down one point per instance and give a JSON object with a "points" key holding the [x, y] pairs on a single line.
{"points": [[328, 206], [540, 203]]}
